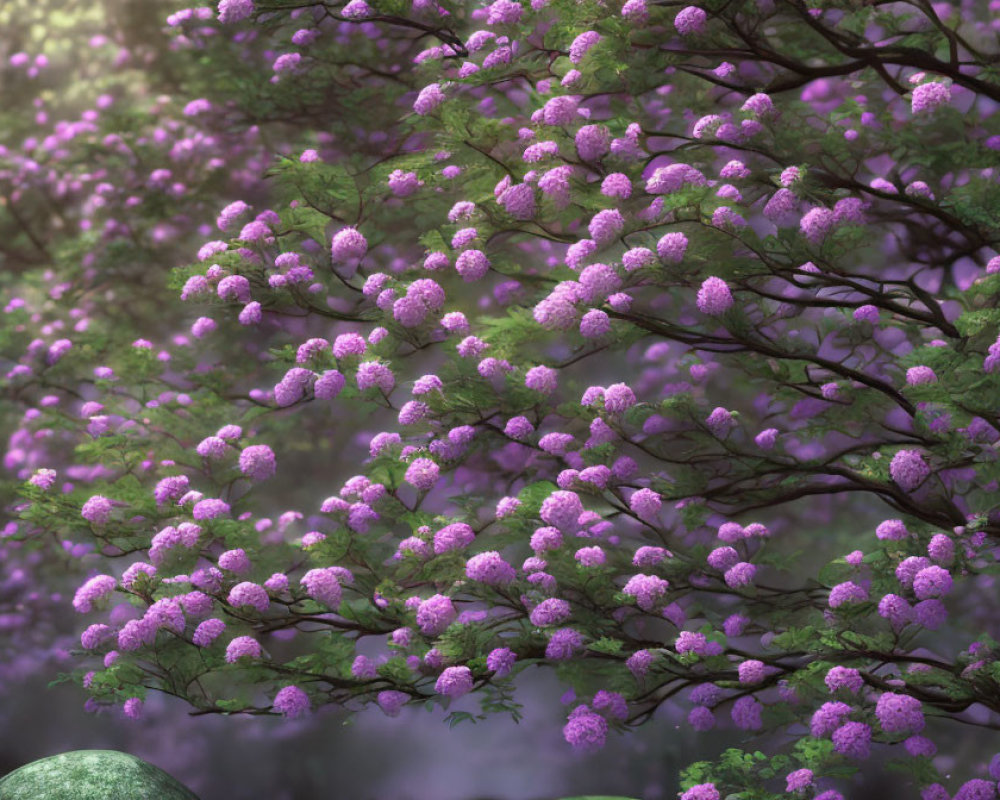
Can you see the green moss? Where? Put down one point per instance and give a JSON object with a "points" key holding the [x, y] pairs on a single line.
{"points": [[91, 775]]}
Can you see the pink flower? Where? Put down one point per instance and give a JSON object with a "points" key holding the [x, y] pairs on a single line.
{"points": [[690, 21], [242, 647], [714, 297]]}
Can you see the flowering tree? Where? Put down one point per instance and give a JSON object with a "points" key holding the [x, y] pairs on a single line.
{"points": [[651, 344]]}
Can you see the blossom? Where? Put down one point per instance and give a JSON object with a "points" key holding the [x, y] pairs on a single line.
{"points": [[892, 529], [751, 671], [635, 11], [849, 211], [746, 713], [95, 635], [132, 708], [606, 226], [286, 62], [323, 586], [546, 539], [916, 376], [453, 537], [454, 682], [552, 611], [403, 184], [236, 561], [714, 297], [209, 580], [560, 110], [719, 422], [211, 447], [701, 718], [249, 594], [670, 179], [134, 634], [257, 462], [590, 556], [561, 509], [617, 185], [429, 98], [759, 104], [242, 647], [97, 510], [844, 678], [691, 642], [348, 244], [349, 344], [472, 265], [134, 571], [898, 713], [645, 503], [671, 247], [722, 558], [329, 385], [646, 589], [563, 643], [941, 548], [391, 701], [595, 324], [92, 591], [196, 604], [976, 789], [639, 662], [932, 581], [234, 10], [356, 9], [435, 614], [422, 474], [895, 609], [690, 21], [798, 780], [539, 152], [847, 592], [853, 739], [649, 556], [585, 730], [501, 661], [291, 702], [740, 574], [541, 379], [375, 375], [581, 44], [701, 791], [518, 201], [489, 568], [908, 469], [611, 704], [781, 207], [503, 12], [817, 223], [618, 398], [928, 97], [234, 287], [363, 668], [828, 717], [765, 440]]}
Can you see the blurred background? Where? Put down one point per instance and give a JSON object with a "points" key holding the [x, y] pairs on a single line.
{"points": [[411, 757]]}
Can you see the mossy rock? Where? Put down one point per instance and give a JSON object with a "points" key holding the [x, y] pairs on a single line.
{"points": [[92, 775]]}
